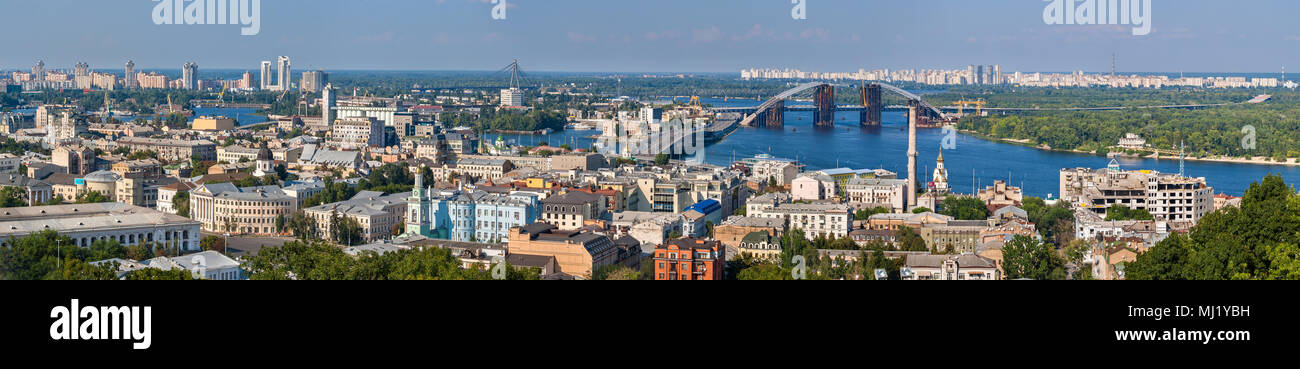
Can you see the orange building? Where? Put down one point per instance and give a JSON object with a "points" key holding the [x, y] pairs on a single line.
{"points": [[690, 259]]}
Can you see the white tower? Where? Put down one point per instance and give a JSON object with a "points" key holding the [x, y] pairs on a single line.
{"points": [[327, 105], [941, 176]]}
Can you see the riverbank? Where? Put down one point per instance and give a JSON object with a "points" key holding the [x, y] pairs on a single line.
{"points": [[1258, 160]]}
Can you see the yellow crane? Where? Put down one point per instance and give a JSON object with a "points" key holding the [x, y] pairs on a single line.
{"points": [[979, 106]]}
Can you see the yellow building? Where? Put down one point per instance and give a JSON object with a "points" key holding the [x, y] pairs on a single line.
{"points": [[213, 124]]}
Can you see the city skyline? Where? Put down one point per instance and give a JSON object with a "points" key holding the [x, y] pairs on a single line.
{"points": [[664, 36]]}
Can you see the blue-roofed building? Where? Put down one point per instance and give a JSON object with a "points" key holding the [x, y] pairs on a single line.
{"points": [[696, 218]]}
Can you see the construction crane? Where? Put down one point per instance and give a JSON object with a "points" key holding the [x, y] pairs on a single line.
{"points": [[979, 106], [695, 103]]}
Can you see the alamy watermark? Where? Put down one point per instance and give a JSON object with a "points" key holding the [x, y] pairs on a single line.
{"points": [[1093, 12], [800, 10], [1248, 141], [247, 13], [674, 138], [949, 141], [499, 9]]}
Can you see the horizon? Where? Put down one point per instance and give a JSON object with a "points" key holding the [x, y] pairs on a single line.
{"points": [[668, 36]]}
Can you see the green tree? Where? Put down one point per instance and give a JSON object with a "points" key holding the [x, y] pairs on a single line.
{"points": [[661, 159], [1028, 258], [92, 197], [181, 202], [1121, 212], [12, 197], [909, 240], [152, 274], [965, 208]]}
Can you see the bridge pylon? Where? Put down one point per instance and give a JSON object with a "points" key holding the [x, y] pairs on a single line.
{"points": [[872, 105], [824, 99]]}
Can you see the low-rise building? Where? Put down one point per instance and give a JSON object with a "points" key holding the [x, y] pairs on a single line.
{"points": [[578, 254], [761, 246], [213, 124], [1167, 197], [571, 210], [171, 150], [950, 268], [223, 207], [690, 259], [34, 191], [377, 214], [887, 193], [831, 221], [87, 223]]}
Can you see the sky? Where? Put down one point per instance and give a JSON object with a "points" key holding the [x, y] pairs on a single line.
{"points": [[657, 36]]}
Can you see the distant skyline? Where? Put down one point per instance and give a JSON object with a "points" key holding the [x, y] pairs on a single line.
{"points": [[686, 36]]}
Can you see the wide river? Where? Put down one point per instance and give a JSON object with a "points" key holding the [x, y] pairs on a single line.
{"points": [[973, 163]]}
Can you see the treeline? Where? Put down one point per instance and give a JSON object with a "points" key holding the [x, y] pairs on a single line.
{"points": [[1055, 98], [49, 256], [1257, 241], [490, 120], [1210, 132], [301, 260]]}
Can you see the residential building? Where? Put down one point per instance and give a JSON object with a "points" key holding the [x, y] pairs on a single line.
{"points": [[832, 221], [571, 210], [1001, 195], [213, 124], [760, 246], [234, 154], [77, 159], [690, 259], [356, 133], [697, 218], [733, 230], [10, 164], [1167, 197], [171, 150], [813, 186], [578, 254], [512, 97], [950, 268], [871, 193]]}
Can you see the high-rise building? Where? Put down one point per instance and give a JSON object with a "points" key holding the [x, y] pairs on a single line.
{"points": [[189, 76], [247, 81], [130, 80], [313, 81], [81, 69], [327, 105], [284, 81], [266, 76], [979, 75], [512, 97], [38, 71]]}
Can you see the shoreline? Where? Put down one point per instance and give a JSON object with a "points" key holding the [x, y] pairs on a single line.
{"points": [[1261, 161]]}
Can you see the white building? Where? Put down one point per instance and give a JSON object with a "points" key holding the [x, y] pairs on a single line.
{"points": [[832, 221], [813, 186], [512, 97], [357, 132], [87, 223], [1168, 197]]}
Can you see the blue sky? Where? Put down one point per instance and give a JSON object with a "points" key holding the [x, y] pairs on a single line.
{"points": [[657, 36]]}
